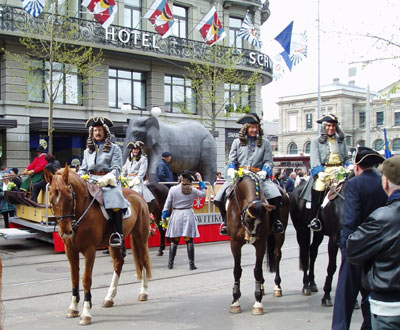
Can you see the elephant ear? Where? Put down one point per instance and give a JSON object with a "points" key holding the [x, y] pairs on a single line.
{"points": [[153, 131]]}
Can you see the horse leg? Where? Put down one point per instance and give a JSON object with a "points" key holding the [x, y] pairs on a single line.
{"points": [[237, 273], [73, 258], [86, 316], [258, 308], [279, 239], [303, 237], [332, 252], [118, 259], [162, 240], [317, 240]]}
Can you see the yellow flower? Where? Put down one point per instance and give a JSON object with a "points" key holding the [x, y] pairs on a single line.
{"points": [[241, 172], [85, 177]]}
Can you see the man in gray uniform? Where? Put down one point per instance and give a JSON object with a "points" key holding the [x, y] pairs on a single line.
{"points": [[102, 160], [253, 152]]}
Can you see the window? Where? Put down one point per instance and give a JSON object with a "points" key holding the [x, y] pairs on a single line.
{"points": [[397, 118], [396, 145], [309, 121], [236, 97], [178, 95], [132, 13], [307, 147], [361, 119], [292, 123], [292, 148], [379, 118], [179, 28], [360, 143], [378, 144], [234, 27], [125, 86], [67, 86]]}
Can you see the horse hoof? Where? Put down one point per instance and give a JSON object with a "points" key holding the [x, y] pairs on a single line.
{"points": [[160, 253], [71, 314], [314, 288], [306, 292], [107, 304], [85, 320], [278, 293], [143, 297], [235, 310], [326, 303], [257, 311]]}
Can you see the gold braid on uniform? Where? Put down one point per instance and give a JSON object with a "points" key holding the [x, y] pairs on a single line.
{"points": [[324, 135], [91, 144], [243, 135], [186, 186]]}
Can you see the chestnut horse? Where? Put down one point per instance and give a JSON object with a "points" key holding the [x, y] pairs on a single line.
{"points": [[249, 222], [83, 228]]}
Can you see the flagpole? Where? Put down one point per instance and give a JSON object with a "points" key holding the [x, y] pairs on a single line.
{"points": [[319, 73]]}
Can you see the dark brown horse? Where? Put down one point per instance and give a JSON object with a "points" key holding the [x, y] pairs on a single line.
{"points": [[84, 228], [331, 217], [249, 222], [160, 193]]}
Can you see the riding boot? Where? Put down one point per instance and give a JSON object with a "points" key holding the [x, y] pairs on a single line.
{"points": [[223, 229], [172, 253], [316, 201], [277, 225], [117, 238], [190, 252]]}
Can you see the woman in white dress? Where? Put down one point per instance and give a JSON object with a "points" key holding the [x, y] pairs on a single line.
{"points": [[182, 221], [135, 169]]}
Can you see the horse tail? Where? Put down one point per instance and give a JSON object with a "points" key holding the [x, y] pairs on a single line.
{"points": [[140, 248], [271, 253]]}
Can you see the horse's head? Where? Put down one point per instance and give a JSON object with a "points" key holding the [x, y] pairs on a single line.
{"points": [[62, 200]]}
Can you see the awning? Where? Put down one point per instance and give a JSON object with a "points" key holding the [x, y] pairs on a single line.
{"points": [[7, 123]]}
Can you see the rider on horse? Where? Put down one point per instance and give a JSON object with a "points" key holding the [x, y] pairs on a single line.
{"points": [[102, 161], [328, 153], [135, 169], [252, 152]]}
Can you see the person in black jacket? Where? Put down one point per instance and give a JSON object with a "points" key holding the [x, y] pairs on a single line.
{"points": [[375, 246], [363, 195], [164, 172]]}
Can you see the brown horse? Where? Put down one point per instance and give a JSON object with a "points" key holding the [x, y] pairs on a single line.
{"points": [[249, 222], [84, 228]]}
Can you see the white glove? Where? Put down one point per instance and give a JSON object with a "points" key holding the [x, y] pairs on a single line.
{"points": [[322, 176], [262, 175], [133, 181], [231, 172], [108, 179]]}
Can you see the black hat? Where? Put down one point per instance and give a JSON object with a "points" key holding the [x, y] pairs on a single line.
{"points": [[166, 154], [391, 169], [40, 149], [250, 118], [188, 174], [328, 119], [135, 145], [366, 157], [99, 121], [15, 170]]}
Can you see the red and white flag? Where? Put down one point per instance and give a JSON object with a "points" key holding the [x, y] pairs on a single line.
{"points": [[160, 15], [211, 27], [103, 10]]}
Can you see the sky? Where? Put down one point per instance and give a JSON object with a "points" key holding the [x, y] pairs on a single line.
{"points": [[343, 26]]}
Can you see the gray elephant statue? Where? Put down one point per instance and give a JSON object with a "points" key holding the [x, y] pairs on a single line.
{"points": [[190, 143]]}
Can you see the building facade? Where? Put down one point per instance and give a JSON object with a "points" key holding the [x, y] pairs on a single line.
{"points": [[140, 71], [299, 113]]}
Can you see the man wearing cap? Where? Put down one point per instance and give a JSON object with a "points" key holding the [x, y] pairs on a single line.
{"points": [[35, 169], [375, 246], [363, 195], [102, 160], [164, 172], [253, 152], [328, 153]]}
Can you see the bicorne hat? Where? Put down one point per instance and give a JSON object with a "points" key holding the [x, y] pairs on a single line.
{"points": [[328, 119], [249, 118], [391, 169], [366, 157], [135, 145], [188, 174], [99, 121]]}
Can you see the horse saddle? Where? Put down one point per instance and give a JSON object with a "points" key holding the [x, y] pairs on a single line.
{"points": [[333, 194], [96, 192]]}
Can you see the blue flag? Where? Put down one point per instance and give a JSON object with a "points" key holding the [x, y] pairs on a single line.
{"points": [[285, 37], [388, 153]]}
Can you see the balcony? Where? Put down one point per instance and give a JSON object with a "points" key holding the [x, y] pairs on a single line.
{"points": [[16, 22]]}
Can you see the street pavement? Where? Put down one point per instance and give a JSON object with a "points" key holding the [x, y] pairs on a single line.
{"points": [[37, 291]]}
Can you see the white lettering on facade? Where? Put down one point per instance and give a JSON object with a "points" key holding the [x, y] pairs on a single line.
{"points": [[145, 40], [124, 36], [108, 33]]}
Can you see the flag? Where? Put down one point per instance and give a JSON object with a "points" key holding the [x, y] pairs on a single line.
{"points": [[211, 27], [103, 10], [160, 15], [279, 67], [34, 7], [248, 32], [388, 153], [285, 37]]}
